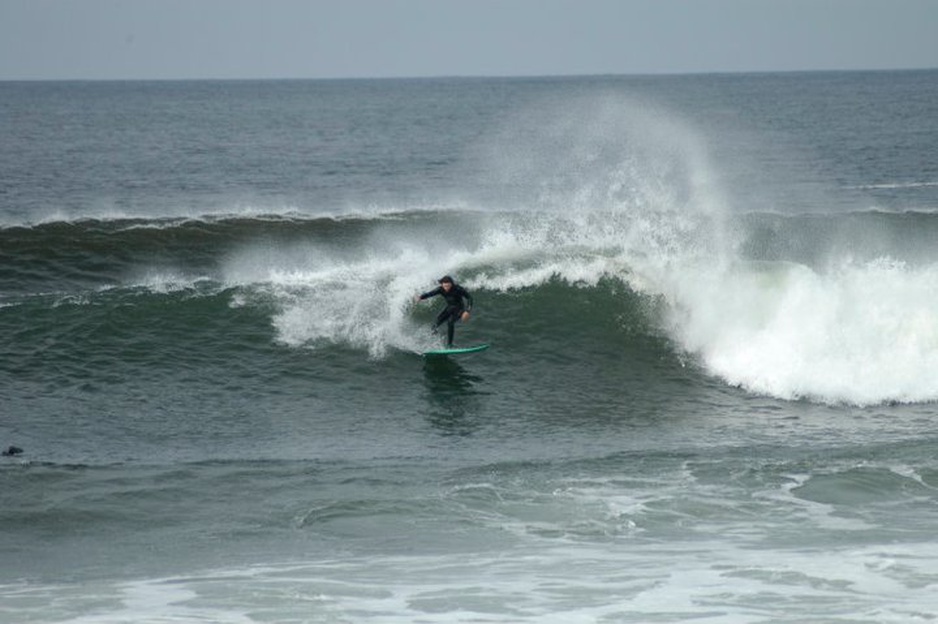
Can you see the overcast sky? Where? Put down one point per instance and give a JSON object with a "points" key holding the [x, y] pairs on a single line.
{"points": [[156, 39]]}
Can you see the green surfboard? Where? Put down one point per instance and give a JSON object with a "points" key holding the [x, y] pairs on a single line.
{"points": [[457, 351]]}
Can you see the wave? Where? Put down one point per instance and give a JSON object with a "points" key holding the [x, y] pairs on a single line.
{"points": [[896, 185], [839, 308], [610, 221], [859, 333]]}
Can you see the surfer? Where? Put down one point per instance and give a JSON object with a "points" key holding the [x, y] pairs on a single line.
{"points": [[458, 304]]}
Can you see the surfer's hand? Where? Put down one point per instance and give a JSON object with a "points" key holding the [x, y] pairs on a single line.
{"points": [[465, 316]]}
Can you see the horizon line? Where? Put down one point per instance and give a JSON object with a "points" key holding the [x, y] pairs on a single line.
{"points": [[663, 74]]}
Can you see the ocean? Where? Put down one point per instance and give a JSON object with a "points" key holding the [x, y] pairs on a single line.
{"points": [[711, 300]]}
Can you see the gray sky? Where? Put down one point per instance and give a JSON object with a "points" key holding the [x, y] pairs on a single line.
{"points": [[117, 39]]}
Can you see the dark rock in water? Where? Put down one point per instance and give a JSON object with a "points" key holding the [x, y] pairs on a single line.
{"points": [[13, 450]]}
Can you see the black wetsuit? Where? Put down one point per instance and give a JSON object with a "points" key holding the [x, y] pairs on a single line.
{"points": [[458, 300]]}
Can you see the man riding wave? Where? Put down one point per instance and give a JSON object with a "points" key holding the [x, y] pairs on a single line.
{"points": [[458, 304]]}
